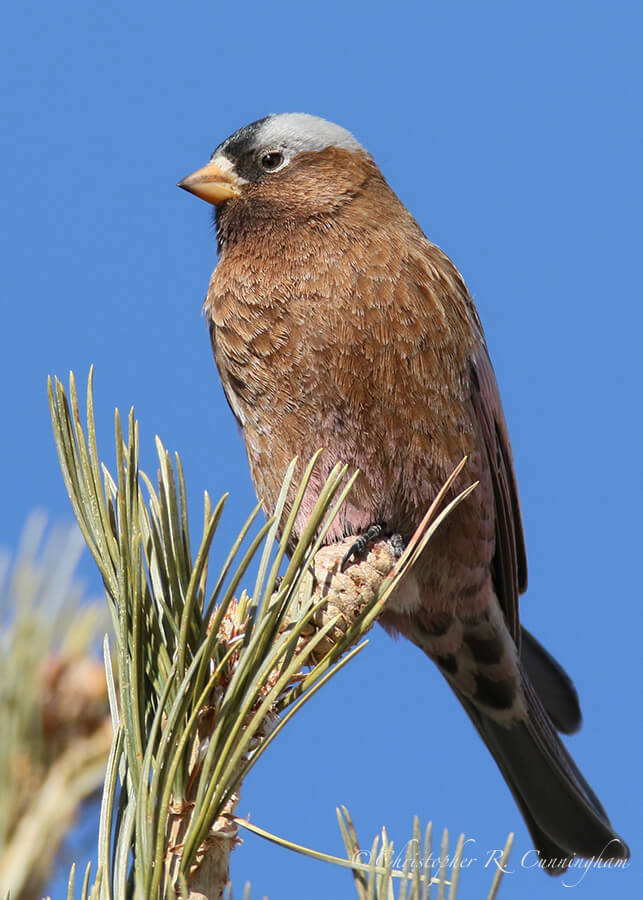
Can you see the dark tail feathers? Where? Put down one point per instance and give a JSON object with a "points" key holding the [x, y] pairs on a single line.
{"points": [[551, 682], [561, 811]]}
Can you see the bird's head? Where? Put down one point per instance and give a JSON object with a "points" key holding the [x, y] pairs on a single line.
{"points": [[288, 165]]}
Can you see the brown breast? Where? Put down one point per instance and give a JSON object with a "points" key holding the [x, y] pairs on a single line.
{"points": [[350, 332]]}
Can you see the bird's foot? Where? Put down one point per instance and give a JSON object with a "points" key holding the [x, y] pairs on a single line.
{"points": [[360, 545], [397, 544]]}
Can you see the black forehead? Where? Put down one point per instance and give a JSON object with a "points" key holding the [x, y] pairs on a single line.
{"points": [[241, 149], [242, 141]]}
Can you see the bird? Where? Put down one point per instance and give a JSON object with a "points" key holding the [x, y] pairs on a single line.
{"points": [[336, 323]]}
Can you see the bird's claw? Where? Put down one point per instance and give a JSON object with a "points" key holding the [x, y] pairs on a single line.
{"points": [[360, 545], [397, 544]]}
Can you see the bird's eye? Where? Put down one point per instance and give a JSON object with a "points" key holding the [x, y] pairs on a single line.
{"points": [[271, 161]]}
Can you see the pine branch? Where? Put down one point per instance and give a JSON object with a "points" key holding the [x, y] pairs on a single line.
{"points": [[54, 719], [206, 678]]}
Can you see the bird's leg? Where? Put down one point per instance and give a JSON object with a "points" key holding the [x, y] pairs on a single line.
{"points": [[360, 546]]}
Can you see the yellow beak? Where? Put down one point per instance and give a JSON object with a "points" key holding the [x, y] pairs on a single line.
{"points": [[212, 184]]}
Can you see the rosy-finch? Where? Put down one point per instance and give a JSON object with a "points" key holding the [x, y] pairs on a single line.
{"points": [[336, 323]]}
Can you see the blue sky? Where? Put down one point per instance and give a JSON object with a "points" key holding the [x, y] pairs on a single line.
{"points": [[513, 133]]}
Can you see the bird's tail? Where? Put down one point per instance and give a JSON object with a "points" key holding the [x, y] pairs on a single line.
{"points": [[561, 811]]}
